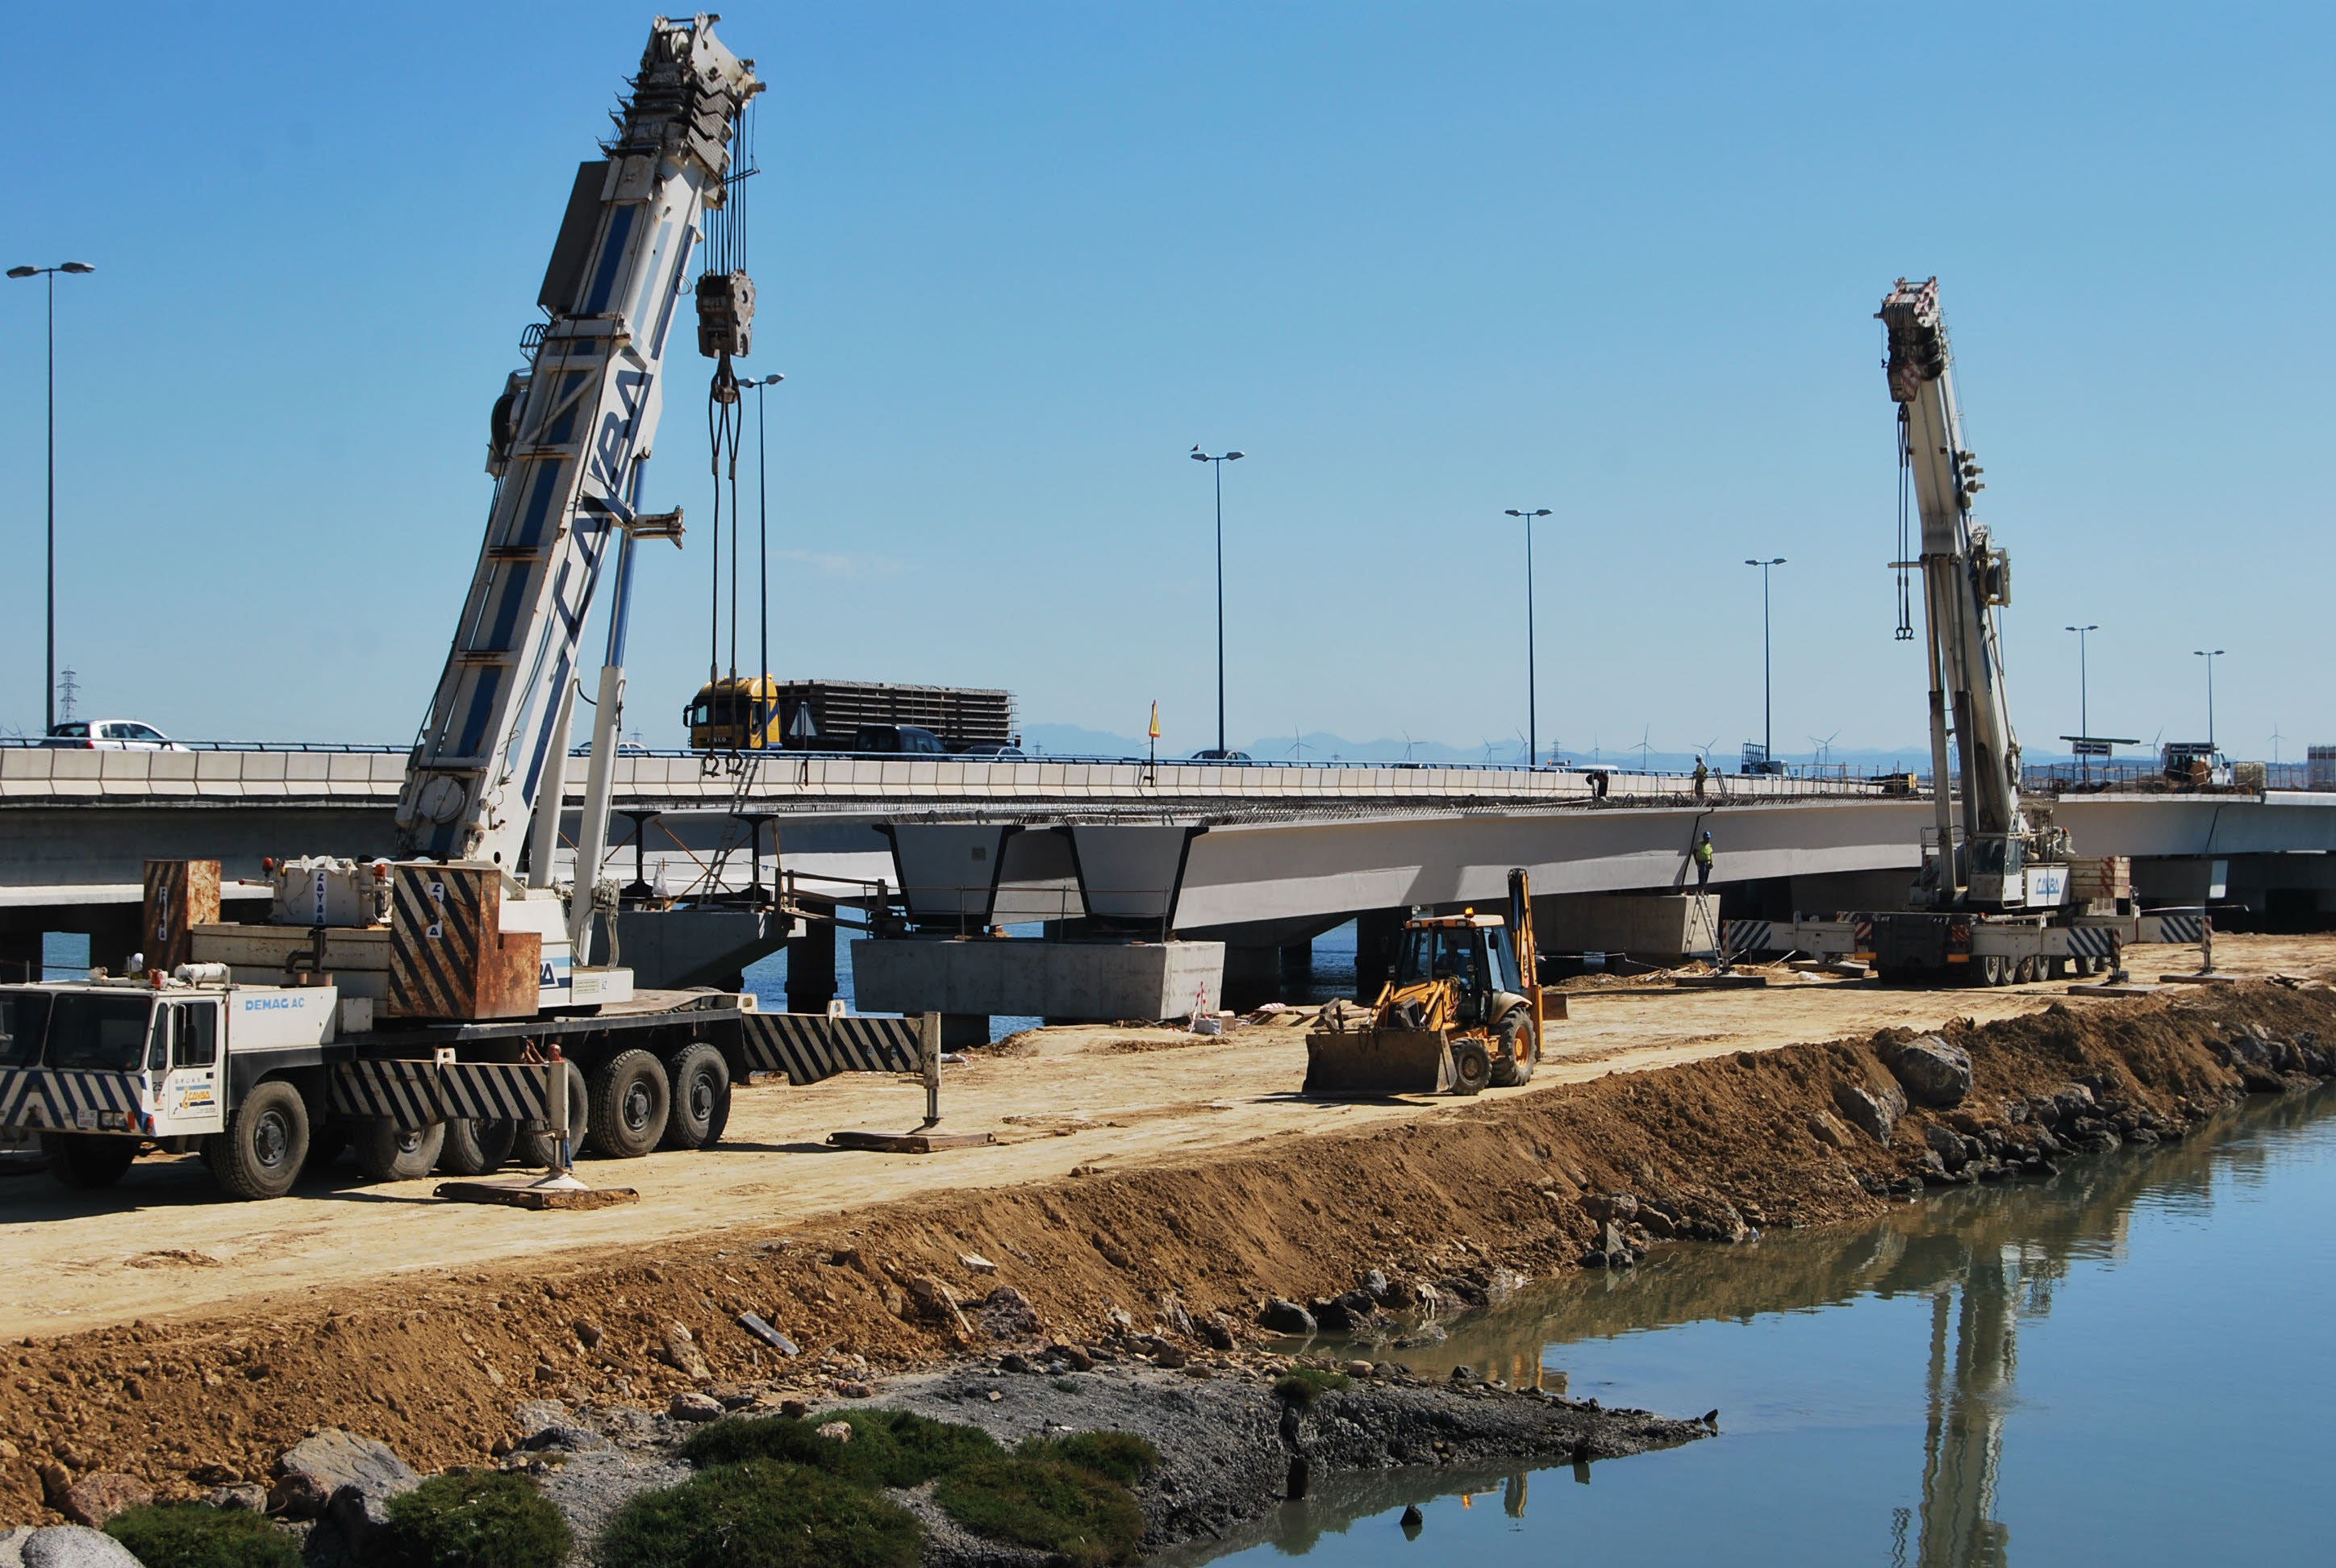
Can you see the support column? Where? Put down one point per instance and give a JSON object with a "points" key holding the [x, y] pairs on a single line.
{"points": [[1297, 963], [1376, 934], [1253, 976], [810, 967]]}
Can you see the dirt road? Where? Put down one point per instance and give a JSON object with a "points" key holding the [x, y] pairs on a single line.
{"points": [[163, 1244]]}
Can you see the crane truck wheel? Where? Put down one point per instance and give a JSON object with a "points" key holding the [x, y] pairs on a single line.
{"points": [[700, 1082], [86, 1161], [1513, 1057], [474, 1148], [261, 1151], [533, 1148], [630, 1103], [1471, 1066], [385, 1153]]}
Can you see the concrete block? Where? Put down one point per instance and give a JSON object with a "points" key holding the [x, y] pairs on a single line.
{"points": [[1043, 979], [1655, 929]]}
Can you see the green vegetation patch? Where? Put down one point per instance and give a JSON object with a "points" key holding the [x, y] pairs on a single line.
{"points": [[197, 1535], [1050, 1505], [486, 1519], [888, 1447], [761, 1513], [1123, 1457], [1304, 1385]]}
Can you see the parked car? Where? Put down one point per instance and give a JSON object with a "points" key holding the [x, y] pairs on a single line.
{"points": [[991, 751], [110, 735], [899, 739], [1213, 755]]}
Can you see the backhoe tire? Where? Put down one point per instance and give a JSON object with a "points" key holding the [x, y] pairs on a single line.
{"points": [[699, 1081], [385, 1153], [1513, 1052], [630, 1101], [533, 1149], [474, 1148], [1471, 1066], [265, 1144], [87, 1162]]}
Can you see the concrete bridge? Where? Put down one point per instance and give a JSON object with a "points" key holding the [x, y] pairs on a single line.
{"points": [[1262, 857]]}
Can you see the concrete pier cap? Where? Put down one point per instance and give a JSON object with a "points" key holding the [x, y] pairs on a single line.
{"points": [[1099, 981]]}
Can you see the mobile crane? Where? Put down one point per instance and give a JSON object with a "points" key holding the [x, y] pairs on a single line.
{"points": [[1998, 894], [429, 1006]]}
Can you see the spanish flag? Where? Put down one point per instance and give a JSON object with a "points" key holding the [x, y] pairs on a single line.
{"points": [[1155, 718]]}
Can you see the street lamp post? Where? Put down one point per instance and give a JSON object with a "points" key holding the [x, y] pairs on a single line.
{"points": [[1218, 464], [2083, 707], [1767, 703], [1532, 700], [2210, 655], [49, 683]]}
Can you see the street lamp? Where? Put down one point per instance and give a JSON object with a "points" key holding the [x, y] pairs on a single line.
{"points": [[49, 687], [2084, 720], [1218, 463], [2210, 655], [1533, 701], [1767, 703]]}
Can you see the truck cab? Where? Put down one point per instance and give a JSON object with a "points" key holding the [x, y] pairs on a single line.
{"points": [[98, 1068]]}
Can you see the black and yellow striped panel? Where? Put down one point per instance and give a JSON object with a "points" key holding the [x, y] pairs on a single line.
{"points": [[41, 1097], [442, 924], [493, 1091], [404, 1093], [810, 1047]]}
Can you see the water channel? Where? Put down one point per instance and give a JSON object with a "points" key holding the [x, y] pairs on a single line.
{"points": [[2131, 1362]]}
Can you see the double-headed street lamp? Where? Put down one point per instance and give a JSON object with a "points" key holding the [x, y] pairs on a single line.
{"points": [[1533, 701], [49, 686], [1768, 705], [2084, 707], [2210, 655], [1218, 463], [763, 511]]}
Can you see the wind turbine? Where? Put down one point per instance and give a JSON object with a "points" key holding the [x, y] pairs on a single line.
{"points": [[2275, 739], [1297, 744], [1824, 746], [1643, 731]]}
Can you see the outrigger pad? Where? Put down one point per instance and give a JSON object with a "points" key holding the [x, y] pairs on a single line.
{"points": [[915, 1141], [519, 1197], [1372, 1062]]}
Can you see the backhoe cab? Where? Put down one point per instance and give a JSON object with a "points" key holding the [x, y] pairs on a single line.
{"points": [[1461, 1013]]}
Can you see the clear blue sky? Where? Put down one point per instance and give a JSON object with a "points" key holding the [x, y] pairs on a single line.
{"points": [[1421, 262]]}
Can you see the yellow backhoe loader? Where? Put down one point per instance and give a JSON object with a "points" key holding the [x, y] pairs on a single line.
{"points": [[1463, 1012]]}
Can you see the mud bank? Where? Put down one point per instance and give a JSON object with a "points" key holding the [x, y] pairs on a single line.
{"points": [[1171, 1264]]}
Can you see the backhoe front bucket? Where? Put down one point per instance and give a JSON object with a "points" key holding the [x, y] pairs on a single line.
{"points": [[1369, 1061]]}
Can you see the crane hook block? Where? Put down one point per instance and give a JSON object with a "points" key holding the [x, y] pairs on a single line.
{"points": [[726, 315]]}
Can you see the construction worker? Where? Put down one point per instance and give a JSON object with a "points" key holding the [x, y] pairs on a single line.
{"points": [[1701, 774], [1703, 854]]}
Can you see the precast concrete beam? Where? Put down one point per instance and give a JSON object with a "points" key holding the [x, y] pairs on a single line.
{"points": [[1022, 977]]}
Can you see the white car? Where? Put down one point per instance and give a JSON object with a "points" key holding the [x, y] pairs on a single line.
{"points": [[110, 735]]}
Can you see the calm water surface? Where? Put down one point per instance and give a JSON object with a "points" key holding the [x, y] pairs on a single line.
{"points": [[2130, 1363]]}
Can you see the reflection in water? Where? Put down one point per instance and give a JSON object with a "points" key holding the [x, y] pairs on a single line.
{"points": [[1989, 1260]]}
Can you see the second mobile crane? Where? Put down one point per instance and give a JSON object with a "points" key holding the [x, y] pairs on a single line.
{"points": [[2000, 896]]}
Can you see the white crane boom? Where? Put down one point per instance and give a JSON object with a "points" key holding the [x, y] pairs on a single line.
{"points": [[1965, 580], [571, 432]]}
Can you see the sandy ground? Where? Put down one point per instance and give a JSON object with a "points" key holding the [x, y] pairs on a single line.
{"points": [[163, 1244]]}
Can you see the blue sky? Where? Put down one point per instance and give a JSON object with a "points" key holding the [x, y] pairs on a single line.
{"points": [[1422, 263]]}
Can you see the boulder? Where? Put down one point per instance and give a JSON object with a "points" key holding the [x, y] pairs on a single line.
{"points": [[937, 1303], [1173, 1317], [1933, 1072], [1948, 1144], [1827, 1131], [318, 1468], [680, 1352], [1619, 1207], [100, 1495], [12, 1543], [1006, 1314], [1872, 1112], [247, 1496], [694, 1407], [1285, 1317], [1218, 1330], [75, 1546]]}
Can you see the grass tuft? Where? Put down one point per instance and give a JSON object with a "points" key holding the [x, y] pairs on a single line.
{"points": [[761, 1513], [1047, 1504], [1121, 1456], [888, 1447], [486, 1519], [1304, 1385], [195, 1536]]}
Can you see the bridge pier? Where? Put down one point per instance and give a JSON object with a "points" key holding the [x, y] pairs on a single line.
{"points": [[20, 956], [810, 967], [1376, 934], [1253, 976]]}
